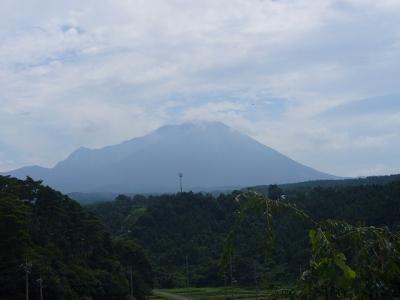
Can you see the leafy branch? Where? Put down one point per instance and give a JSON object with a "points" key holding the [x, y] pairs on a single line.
{"points": [[347, 261]]}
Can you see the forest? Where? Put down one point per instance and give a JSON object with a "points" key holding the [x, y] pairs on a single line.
{"points": [[49, 243], [329, 242], [197, 226]]}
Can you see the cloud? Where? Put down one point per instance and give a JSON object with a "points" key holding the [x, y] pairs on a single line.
{"points": [[94, 73]]}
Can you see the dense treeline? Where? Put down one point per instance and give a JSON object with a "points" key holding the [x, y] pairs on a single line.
{"points": [[171, 227], [65, 246], [78, 257], [363, 181], [377, 205], [347, 261]]}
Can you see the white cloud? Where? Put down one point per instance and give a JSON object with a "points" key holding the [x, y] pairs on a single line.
{"points": [[92, 73]]}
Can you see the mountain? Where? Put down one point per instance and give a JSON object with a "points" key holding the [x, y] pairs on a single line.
{"points": [[210, 155]]}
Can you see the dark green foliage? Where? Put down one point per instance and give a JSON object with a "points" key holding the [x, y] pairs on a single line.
{"points": [[347, 261], [352, 261], [14, 216], [372, 180], [67, 247], [131, 256], [274, 192], [375, 205], [187, 224], [169, 227]]}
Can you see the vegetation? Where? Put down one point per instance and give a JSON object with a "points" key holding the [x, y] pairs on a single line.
{"points": [[53, 238], [347, 261], [171, 227], [336, 242], [212, 293], [371, 180]]}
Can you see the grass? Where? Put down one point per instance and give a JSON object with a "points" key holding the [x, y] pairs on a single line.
{"points": [[157, 298], [222, 294]]}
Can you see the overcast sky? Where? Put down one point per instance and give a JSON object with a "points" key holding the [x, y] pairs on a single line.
{"points": [[317, 80]]}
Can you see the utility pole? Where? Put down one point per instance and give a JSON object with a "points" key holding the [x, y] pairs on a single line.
{"points": [[131, 281], [40, 281], [231, 274], [256, 280], [187, 277], [27, 266], [180, 181], [225, 287]]}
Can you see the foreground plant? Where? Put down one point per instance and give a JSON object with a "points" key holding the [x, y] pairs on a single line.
{"points": [[347, 261]]}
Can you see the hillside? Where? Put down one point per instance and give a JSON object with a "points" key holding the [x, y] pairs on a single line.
{"points": [[172, 226], [65, 246], [371, 180], [211, 156]]}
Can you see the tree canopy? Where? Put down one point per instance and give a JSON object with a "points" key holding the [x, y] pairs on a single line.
{"points": [[171, 227], [67, 247]]}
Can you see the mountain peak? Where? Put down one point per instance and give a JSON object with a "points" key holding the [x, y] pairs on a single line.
{"points": [[195, 125], [211, 155]]}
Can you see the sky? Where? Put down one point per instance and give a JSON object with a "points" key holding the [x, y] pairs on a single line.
{"points": [[318, 81]]}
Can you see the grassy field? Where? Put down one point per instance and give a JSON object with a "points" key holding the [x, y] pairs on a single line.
{"points": [[222, 294]]}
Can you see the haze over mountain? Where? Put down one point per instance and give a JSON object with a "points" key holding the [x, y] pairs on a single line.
{"points": [[210, 155]]}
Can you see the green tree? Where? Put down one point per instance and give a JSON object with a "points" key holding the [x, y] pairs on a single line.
{"points": [[346, 261], [68, 247], [136, 265], [14, 242], [274, 192]]}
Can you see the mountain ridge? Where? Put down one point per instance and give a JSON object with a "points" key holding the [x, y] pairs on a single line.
{"points": [[210, 155]]}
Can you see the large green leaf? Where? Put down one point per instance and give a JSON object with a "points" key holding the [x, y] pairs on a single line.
{"points": [[340, 261]]}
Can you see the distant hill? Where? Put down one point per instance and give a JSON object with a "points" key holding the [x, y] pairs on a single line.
{"points": [[371, 180], [211, 156]]}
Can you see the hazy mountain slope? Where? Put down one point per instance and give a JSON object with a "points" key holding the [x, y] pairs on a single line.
{"points": [[209, 154]]}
